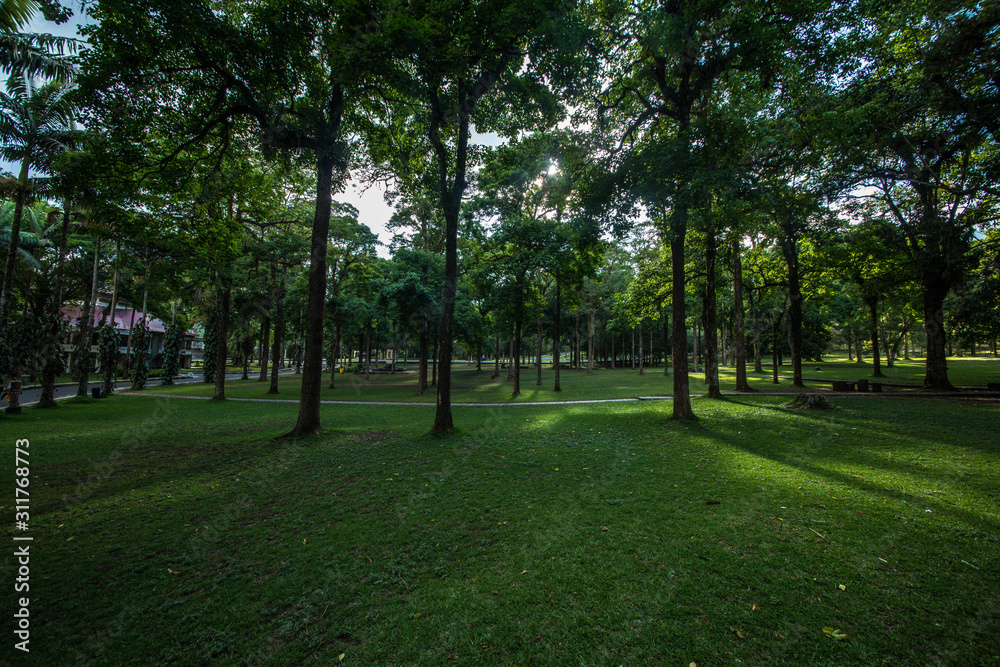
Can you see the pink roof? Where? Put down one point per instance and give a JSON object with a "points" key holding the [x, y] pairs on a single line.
{"points": [[123, 318]]}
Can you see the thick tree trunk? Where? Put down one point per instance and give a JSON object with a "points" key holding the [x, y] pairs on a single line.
{"points": [[789, 248], [312, 372], [872, 303], [222, 351], [936, 365], [451, 199], [739, 329], [279, 332], [711, 319], [682, 397]]}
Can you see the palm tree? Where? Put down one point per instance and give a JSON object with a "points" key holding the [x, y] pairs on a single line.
{"points": [[15, 13], [35, 124], [32, 54]]}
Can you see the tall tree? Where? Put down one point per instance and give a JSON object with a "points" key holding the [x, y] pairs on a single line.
{"points": [[671, 59], [192, 70], [926, 107], [479, 66], [35, 125]]}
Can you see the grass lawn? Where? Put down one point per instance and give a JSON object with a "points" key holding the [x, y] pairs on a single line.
{"points": [[471, 386], [170, 531]]}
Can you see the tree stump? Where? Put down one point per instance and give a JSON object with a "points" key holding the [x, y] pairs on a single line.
{"points": [[810, 402]]}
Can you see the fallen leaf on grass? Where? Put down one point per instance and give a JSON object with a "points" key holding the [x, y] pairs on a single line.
{"points": [[340, 658], [604, 528], [738, 632], [755, 608], [842, 587], [836, 634]]}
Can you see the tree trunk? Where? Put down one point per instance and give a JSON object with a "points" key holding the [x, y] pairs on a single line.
{"points": [[496, 357], [758, 349], [774, 352], [538, 351], [697, 340], [790, 250], [279, 332], [312, 372], [590, 346], [739, 330], [368, 349], [666, 339], [265, 338], [424, 352], [682, 398], [633, 348], [557, 335], [641, 359], [711, 319], [12, 245], [517, 358], [936, 365], [222, 352], [54, 343], [336, 353], [86, 325], [434, 365], [612, 351], [576, 332], [872, 303]]}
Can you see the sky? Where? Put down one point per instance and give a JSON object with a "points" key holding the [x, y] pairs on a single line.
{"points": [[369, 200]]}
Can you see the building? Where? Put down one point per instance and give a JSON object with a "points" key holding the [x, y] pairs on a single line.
{"points": [[125, 317]]}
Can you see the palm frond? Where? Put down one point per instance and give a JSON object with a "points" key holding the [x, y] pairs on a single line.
{"points": [[39, 55]]}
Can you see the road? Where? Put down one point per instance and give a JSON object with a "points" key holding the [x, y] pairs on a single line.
{"points": [[30, 396]]}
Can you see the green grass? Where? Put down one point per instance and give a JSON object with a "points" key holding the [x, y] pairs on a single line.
{"points": [[183, 532], [471, 386]]}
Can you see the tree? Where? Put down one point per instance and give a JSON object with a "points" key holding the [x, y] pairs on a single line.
{"points": [[670, 61], [480, 66], [197, 70], [928, 120], [35, 125]]}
